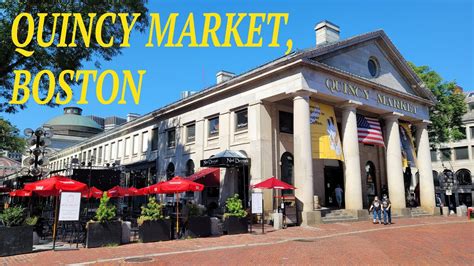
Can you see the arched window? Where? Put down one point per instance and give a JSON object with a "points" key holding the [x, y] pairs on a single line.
{"points": [[287, 171], [463, 177], [170, 171], [189, 167]]}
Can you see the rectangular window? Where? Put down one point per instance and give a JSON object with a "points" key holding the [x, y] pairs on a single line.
{"points": [[434, 156], [89, 159], [472, 132], [286, 122], [106, 152], [241, 120], [144, 141], [190, 133], [99, 159], [461, 153], [154, 139], [171, 138], [113, 150], [94, 156], [463, 131], [135, 144], [445, 154], [119, 149], [126, 148], [84, 159], [213, 127]]}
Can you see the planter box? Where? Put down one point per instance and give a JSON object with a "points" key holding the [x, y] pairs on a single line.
{"points": [[199, 226], [16, 240], [153, 231], [236, 225], [103, 234]]}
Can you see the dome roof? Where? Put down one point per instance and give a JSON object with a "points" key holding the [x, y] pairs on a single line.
{"points": [[72, 117], [72, 120]]}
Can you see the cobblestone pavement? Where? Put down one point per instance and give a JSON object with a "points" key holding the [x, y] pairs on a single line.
{"points": [[429, 240]]}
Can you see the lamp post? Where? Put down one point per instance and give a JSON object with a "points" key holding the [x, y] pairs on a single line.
{"points": [[37, 159]]}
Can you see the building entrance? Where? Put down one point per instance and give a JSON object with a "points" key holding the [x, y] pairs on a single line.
{"points": [[243, 185], [333, 176]]}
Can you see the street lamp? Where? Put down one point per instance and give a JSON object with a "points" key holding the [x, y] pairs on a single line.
{"points": [[37, 160]]}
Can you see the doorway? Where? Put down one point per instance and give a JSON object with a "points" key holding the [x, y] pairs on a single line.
{"points": [[333, 176], [243, 185]]}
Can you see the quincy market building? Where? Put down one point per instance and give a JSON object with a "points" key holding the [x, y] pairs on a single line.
{"points": [[264, 115]]}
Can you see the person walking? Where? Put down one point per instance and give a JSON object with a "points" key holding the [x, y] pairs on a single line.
{"points": [[387, 210], [338, 191], [376, 207]]}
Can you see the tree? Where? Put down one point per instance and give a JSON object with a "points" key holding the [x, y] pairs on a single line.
{"points": [[9, 137], [53, 58], [446, 115]]}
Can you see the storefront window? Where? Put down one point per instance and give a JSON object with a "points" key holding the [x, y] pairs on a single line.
{"points": [[213, 127], [287, 171], [241, 120], [286, 122]]}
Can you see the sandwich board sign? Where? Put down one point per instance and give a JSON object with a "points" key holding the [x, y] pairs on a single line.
{"points": [[70, 206]]}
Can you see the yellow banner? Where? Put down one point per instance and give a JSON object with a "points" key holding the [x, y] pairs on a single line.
{"points": [[408, 147], [325, 140]]}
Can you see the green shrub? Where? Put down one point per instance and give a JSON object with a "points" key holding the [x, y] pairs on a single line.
{"points": [[13, 216], [32, 220], [106, 211], [234, 207], [153, 211]]}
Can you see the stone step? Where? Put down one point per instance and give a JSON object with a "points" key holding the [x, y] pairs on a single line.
{"points": [[348, 219], [420, 214]]}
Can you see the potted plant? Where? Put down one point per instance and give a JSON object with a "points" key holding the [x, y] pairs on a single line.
{"points": [[152, 225], [235, 218], [33, 221], [198, 224], [104, 230], [16, 238]]}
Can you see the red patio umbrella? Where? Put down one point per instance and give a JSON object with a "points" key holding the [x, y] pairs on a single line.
{"points": [[142, 191], [115, 192], [95, 193], [54, 185], [177, 185], [20, 193], [155, 189], [273, 183]]}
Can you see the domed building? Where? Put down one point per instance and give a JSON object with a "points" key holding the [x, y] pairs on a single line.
{"points": [[71, 128]]}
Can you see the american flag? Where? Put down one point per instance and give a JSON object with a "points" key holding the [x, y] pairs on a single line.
{"points": [[369, 131]]}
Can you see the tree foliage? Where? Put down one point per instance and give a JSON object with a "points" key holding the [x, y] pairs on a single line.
{"points": [[10, 139], [234, 207], [446, 115], [53, 58], [105, 212], [153, 211], [13, 216]]}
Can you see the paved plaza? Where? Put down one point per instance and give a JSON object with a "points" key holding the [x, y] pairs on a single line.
{"points": [[429, 240]]}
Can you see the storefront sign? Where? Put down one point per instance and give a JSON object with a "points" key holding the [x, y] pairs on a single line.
{"points": [[70, 206], [257, 202], [338, 87]]}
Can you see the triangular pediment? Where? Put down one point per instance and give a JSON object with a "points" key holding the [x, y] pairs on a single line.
{"points": [[353, 55]]}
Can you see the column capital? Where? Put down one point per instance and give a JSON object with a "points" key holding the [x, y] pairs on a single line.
{"points": [[301, 92], [393, 116], [422, 123], [350, 105]]}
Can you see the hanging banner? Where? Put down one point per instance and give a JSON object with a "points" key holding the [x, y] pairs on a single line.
{"points": [[325, 140], [408, 147]]}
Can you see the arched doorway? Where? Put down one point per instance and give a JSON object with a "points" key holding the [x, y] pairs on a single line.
{"points": [[170, 171], [286, 167], [371, 178], [189, 168], [463, 176]]}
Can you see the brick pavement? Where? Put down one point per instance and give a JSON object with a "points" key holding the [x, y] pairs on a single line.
{"points": [[428, 240]]}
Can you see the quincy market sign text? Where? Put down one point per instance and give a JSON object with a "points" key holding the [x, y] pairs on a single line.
{"points": [[337, 86]]}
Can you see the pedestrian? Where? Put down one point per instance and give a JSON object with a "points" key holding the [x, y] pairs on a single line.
{"points": [[338, 191], [387, 210], [375, 207]]}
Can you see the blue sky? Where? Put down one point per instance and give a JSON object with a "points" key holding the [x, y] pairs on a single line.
{"points": [[427, 32]]}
